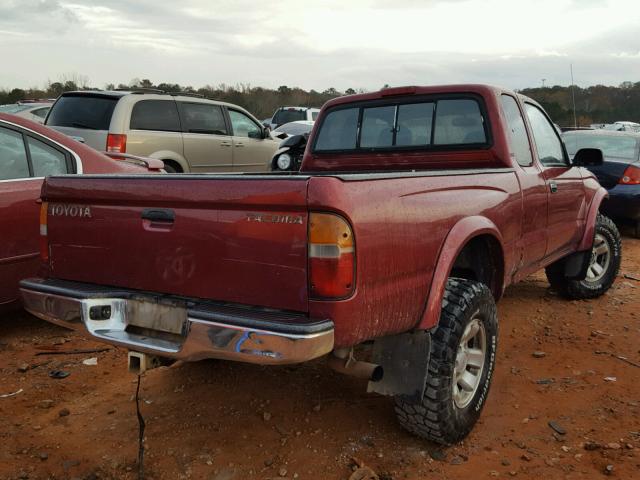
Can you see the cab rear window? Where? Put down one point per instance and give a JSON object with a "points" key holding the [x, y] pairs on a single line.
{"points": [[426, 124]]}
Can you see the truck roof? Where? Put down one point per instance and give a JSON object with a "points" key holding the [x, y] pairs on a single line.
{"points": [[480, 89]]}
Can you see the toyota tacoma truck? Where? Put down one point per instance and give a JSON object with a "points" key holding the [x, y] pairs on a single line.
{"points": [[412, 211]]}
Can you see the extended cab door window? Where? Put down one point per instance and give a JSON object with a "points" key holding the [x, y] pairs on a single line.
{"points": [[548, 143]]}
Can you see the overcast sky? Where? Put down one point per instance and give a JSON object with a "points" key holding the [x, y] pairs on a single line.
{"points": [[321, 43]]}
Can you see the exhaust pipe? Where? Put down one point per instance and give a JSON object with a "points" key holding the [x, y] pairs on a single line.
{"points": [[343, 361], [139, 363]]}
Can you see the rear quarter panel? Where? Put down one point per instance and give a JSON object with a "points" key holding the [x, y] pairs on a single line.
{"points": [[400, 226]]}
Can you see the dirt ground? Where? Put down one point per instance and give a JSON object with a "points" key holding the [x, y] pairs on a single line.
{"points": [[224, 421]]}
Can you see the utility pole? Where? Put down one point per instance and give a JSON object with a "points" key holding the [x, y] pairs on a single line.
{"points": [[543, 80], [573, 97]]}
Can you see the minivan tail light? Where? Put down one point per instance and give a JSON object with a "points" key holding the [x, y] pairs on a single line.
{"points": [[631, 176], [116, 143], [44, 240], [332, 261]]}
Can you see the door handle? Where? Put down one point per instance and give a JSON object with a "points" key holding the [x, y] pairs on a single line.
{"points": [[553, 186], [225, 144], [159, 215], [239, 144]]}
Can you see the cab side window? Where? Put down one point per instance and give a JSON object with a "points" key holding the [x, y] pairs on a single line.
{"points": [[14, 163], [243, 126], [46, 160], [518, 139], [548, 143]]}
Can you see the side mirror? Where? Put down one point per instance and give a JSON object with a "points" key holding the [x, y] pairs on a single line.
{"points": [[266, 132], [588, 157]]}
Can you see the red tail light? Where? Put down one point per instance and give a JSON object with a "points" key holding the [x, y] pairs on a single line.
{"points": [[116, 143], [631, 176], [44, 240], [332, 261]]}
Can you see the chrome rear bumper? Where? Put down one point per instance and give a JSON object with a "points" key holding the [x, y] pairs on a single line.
{"points": [[183, 329]]}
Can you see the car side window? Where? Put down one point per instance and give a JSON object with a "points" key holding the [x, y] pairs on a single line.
{"points": [[243, 126], [159, 115], [203, 118], [45, 159], [13, 156], [41, 112], [518, 138], [548, 144]]}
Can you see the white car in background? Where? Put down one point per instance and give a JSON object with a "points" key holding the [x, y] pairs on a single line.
{"points": [[34, 111], [300, 127], [293, 114]]}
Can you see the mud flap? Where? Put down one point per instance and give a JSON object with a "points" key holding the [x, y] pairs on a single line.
{"points": [[576, 265], [405, 362]]}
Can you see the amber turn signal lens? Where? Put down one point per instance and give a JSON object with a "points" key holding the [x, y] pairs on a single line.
{"points": [[331, 256]]}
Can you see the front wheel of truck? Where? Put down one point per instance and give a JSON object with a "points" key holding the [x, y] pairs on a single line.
{"points": [[604, 263], [463, 352]]}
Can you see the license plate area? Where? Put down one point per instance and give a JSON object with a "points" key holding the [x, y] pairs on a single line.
{"points": [[156, 317]]}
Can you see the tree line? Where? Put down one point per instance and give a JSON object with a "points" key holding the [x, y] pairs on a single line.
{"points": [[595, 104]]}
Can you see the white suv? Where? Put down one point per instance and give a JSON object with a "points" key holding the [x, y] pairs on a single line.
{"points": [[293, 114], [189, 133]]}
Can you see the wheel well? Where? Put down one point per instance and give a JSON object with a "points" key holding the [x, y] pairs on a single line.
{"points": [[482, 260], [176, 166]]}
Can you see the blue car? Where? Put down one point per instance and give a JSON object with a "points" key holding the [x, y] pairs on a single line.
{"points": [[620, 172]]}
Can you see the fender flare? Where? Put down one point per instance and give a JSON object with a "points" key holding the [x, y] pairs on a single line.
{"points": [[457, 238], [590, 222]]}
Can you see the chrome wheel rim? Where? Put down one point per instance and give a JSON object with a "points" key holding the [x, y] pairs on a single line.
{"points": [[469, 365], [600, 259]]}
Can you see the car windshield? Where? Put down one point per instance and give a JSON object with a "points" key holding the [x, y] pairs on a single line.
{"points": [[611, 145], [288, 115], [13, 108], [82, 111], [294, 128]]}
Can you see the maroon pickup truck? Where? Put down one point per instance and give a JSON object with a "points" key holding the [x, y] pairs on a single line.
{"points": [[412, 211]]}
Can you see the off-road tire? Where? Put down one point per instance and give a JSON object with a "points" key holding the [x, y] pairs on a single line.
{"points": [[436, 416], [585, 288]]}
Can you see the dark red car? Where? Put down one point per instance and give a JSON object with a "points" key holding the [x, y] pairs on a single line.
{"points": [[30, 152]]}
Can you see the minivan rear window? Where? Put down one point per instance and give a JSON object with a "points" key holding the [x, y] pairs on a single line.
{"points": [[160, 115], [438, 123], [92, 112]]}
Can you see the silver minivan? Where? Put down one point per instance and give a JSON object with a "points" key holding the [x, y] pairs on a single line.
{"points": [[189, 133]]}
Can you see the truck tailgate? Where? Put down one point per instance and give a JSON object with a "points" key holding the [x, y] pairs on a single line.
{"points": [[237, 239]]}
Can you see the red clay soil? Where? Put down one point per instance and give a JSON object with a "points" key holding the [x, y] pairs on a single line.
{"points": [[223, 421]]}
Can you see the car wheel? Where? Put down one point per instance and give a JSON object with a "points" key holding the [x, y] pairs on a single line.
{"points": [[171, 167], [604, 264], [463, 352]]}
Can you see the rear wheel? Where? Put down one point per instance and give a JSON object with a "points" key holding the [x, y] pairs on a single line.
{"points": [[603, 266], [172, 167], [463, 350]]}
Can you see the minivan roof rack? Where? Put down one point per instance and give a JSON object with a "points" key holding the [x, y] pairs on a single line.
{"points": [[139, 90], [185, 94]]}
